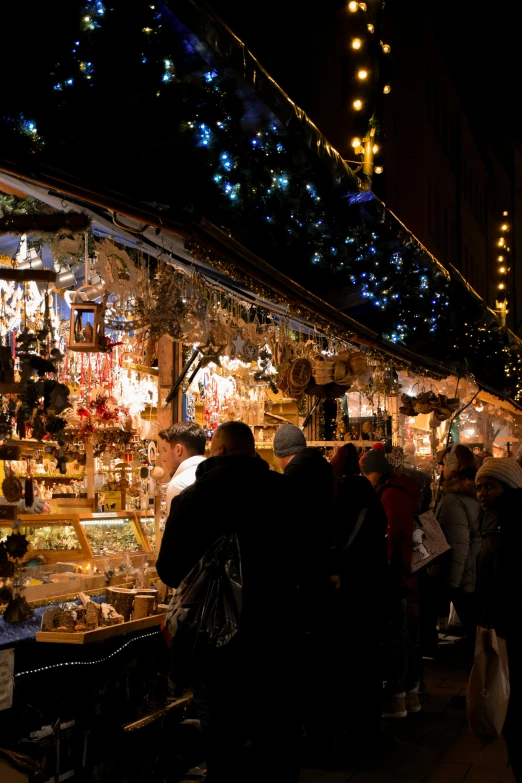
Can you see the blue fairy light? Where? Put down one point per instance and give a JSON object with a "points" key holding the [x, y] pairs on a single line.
{"points": [[210, 76]]}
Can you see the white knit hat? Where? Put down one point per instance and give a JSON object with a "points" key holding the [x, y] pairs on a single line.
{"points": [[503, 469]]}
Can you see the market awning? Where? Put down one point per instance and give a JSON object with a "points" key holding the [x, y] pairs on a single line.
{"points": [[185, 134]]}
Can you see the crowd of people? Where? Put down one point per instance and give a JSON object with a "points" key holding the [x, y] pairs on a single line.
{"points": [[334, 625]]}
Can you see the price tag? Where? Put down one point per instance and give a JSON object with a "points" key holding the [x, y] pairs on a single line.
{"points": [[105, 515]]}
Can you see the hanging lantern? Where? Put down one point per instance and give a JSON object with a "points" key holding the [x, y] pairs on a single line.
{"points": [[87, 331]]}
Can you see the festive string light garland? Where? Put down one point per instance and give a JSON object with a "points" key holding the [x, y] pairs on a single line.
{"points": [[85, 663], [372, 77], [502, 269]]}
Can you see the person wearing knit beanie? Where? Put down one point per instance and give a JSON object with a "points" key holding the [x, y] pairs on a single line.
{"points": [[400, 499], [288, 441], [503, 469], [375, 465], [499, 579]]}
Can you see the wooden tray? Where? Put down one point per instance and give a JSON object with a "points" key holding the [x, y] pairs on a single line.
{"points": [[99, 634]]}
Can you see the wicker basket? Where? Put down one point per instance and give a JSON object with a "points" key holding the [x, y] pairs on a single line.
{"points": [[358, 364], [322, 370]]}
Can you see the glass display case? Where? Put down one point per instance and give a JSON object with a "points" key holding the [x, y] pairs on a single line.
{"points": [[114, 533], [149, 528], [55, 536]]}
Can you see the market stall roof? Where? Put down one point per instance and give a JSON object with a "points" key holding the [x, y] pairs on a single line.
{"points": [[182, 141]]}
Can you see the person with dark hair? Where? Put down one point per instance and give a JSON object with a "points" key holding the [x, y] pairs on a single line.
{"points": [[499, 580], [401, 501], [459, 515], [236, 492], [361, 566], [183, 449]]}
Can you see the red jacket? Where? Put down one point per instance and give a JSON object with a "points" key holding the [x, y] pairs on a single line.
{"points": [[400, 498]]}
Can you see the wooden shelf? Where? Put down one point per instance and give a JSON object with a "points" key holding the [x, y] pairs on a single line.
{"points": [[99, 634]]}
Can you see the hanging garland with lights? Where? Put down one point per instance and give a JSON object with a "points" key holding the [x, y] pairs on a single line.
{"points": [[233, 162], [503, 268]]}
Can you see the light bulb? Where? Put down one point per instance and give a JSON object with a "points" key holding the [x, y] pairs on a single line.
{"points": [[505, 214], [356, 43], [363, 6], [502, 269], [375, 149], [503, 227], [353, 6], [501, 242], [357, 105], [371, 28], [362, 74], [386, 89], [501, 286], [386, 48], [356, 142], [500, 258], [379, 169]]}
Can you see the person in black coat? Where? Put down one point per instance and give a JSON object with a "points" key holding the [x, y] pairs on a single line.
{"points": [[361, 563], [499, 580], [309, 480], [250, 737]]}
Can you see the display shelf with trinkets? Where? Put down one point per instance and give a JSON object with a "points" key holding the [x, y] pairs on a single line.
{"points": [[114, 533], [55, 537]]}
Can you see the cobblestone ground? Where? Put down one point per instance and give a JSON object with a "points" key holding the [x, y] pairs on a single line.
{"points": [[433, 745]]}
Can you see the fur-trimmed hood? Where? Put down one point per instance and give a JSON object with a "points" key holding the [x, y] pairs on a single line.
{"points": [[458, 485]]}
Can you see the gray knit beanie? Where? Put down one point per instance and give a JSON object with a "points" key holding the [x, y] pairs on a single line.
{"points": [[288, 440], [374, 461], [503, 469]]}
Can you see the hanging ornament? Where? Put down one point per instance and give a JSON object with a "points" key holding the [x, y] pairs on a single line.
{"points": [[12, 488], [210, 352]]}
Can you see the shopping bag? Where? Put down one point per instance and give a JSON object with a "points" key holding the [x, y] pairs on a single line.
{"points": [[429, 542], [204, 612], [487, 694]]}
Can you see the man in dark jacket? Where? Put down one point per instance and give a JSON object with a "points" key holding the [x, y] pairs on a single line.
{"points": [[309, 479], [235, 491]]}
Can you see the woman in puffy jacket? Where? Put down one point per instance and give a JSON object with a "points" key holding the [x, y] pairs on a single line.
{"points": [[459, 515]]}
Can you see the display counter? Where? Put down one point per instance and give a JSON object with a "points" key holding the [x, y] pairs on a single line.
{"points": [[114, 533]]}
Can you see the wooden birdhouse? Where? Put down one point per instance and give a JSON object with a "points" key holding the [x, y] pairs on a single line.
{"points": [[87, 331]]}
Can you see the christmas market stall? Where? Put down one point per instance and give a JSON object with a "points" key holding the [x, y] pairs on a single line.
{"points": [[192, 250]]}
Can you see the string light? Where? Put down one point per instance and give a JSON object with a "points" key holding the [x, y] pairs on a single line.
{"points": [[356, 43], [379, 169], [502, 303], [375, 149], [371, 28], [386, 48], [386, 89], [353, 6], [357, 105], [362, 74], [86, 663], [356, 142]]}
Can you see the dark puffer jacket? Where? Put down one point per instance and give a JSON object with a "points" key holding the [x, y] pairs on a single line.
{"points": [[459, 515], [499, 580], [309, 480]]}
